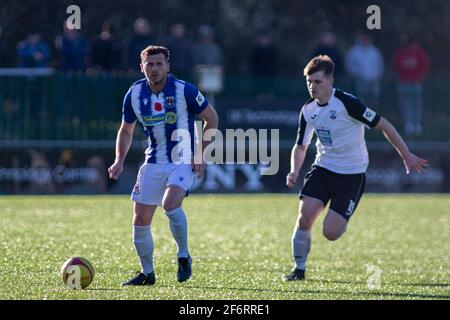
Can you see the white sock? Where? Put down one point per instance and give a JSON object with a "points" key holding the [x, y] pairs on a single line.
{"points": [[301, 245], [143, 242], [178, 226]]}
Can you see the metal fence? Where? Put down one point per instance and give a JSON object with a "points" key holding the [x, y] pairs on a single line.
{"points": [[86, 107], [61, 106]]}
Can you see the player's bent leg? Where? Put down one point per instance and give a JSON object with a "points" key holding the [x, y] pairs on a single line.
{"points": [[309, 210], [143, 242], [172, 202], [348, 190], [334, 225]]}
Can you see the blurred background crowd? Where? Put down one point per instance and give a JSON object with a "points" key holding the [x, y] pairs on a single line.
{"points": [[61, 90], [262, 40]]}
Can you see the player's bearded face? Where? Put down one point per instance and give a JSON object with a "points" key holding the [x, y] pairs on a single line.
{"points": [[155, 68]]}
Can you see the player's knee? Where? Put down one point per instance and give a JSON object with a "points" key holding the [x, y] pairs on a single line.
{"points": [[331, 234], [306, 222], [139, 220], [170, 204]]}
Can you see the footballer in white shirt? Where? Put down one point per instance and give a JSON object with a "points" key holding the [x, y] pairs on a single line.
{"points": [[338, 174]]}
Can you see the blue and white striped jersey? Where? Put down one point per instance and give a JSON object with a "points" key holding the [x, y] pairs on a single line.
{"points": [[167, 118]]}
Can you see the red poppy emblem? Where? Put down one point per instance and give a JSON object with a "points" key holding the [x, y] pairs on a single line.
{"points": [[158, 106]]}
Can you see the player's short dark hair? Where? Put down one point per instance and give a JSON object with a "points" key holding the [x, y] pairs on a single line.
{"points": [[152, 50], [319, 63]]}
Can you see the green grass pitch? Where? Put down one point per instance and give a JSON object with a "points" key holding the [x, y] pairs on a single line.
{"points": [[240, 245]]}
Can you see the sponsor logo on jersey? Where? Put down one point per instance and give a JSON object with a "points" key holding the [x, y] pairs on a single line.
{"points": [[145, 101], [200, 98], [153, 120], [171, 117], [314, 116], [324, 136], [369, 115]]}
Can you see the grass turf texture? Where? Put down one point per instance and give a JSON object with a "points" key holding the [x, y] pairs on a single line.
{"points": [[240, 245]]}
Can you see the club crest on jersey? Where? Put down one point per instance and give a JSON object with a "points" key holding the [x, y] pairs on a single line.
{"points": [[171, 118], [332, 114], [137, 188], [170, 101]]}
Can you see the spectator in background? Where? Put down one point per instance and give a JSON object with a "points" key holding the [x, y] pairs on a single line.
{"points": [[141, 39], [264, 60], [180, 48], [106, 50], [208, 62], [411, 64], [99, 185], [74, 49], [365, 63], [3, 50], [41, 181], [327, 46], [206, 51], [33, 52]]}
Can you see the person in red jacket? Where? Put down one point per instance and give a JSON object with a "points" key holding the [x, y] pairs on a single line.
{"points": [[411, 64]]}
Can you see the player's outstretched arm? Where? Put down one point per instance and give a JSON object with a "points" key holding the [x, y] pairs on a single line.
{"points": [[297, 158], [410, 160], [123, 142]]}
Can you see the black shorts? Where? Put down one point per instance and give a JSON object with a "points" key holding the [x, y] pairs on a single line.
{"points": [[344, 190]]}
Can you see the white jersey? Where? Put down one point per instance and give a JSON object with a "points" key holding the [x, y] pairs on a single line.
{"points": [[339, 127]]}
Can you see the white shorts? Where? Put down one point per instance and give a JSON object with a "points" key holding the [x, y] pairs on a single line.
{"points": [[154, 178]]}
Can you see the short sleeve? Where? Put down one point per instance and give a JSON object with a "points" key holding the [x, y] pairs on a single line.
{"points": [[357, 110], [128, 114], [305, 130], [196, 102]]}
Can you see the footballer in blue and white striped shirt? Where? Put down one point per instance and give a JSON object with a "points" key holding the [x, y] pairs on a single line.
{"points": [[165, 108]]}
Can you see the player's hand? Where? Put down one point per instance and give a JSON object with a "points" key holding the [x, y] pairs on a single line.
{"points": [[414, 163], [291, 179], [115, 170], [198, 168]]}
